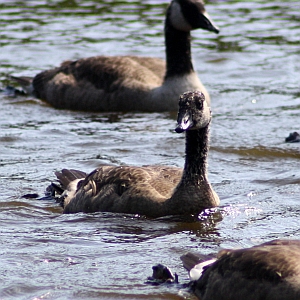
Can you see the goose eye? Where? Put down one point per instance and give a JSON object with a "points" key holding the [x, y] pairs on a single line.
{"points": [[199, 104]]}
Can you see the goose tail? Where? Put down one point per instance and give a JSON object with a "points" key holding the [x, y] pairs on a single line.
{"points": [[25, 82], [190, 260], [66, 176], [196, 264], [66, 187]]}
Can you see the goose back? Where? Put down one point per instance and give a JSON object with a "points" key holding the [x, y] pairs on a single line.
{"points": [[125, 189], [270, 271]]}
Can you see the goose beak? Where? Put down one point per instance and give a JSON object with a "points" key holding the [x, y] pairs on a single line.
{"points": [[184, 123], [179, 129], [209, 24]]}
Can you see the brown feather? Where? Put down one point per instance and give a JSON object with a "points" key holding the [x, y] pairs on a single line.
{"points": [[270, 271]]}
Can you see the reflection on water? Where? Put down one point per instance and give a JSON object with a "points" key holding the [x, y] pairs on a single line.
{"points": [[251, 70]]}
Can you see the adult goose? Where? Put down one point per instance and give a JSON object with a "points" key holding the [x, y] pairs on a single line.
{"points": [[129, 83], [150, 190], [270, 271]]}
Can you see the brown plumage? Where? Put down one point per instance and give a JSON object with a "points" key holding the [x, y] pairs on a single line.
{"points": [[129, 83], [270, 271], [151, 190]]}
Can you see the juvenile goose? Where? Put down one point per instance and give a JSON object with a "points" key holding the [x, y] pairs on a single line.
{"points": [[150, 190], [129, 83], [270, 271]]}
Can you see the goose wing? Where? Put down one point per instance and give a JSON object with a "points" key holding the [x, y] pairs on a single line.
{"points": [[125, 189], [94, 83]]}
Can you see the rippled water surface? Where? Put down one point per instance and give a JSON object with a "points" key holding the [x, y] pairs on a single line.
{"points": [[252, 72]]}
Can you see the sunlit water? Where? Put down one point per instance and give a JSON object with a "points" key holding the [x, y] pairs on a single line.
{"points": [[252, 72]]}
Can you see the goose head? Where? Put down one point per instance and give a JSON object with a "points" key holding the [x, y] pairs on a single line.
{"points": [[194, 113], [186, 15], [294, 137]]}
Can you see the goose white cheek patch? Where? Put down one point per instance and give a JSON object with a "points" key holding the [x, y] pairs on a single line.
{"points": [[186, 122]]}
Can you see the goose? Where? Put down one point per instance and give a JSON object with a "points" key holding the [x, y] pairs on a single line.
{"points": [[162, 274], [151, 190], [270, 271], [294, 137], [129, 83]]}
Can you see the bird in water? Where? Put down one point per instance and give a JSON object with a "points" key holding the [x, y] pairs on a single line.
{"points": [[270, 271], [129, 83], [294, 137], [152, 190]]}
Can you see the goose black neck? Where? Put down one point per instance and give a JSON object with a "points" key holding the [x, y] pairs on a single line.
{"points": [[178, 51], [196, 151]]}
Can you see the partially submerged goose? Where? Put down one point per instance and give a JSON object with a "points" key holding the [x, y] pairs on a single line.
{"points": [[150, 190], [129, 83], [294, 137], [270, 271]]}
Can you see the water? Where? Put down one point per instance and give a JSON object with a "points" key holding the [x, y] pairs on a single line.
{"points": [[251, 70]]}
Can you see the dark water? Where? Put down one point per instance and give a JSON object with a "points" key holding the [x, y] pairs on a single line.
{"points": [[252, 71]]}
